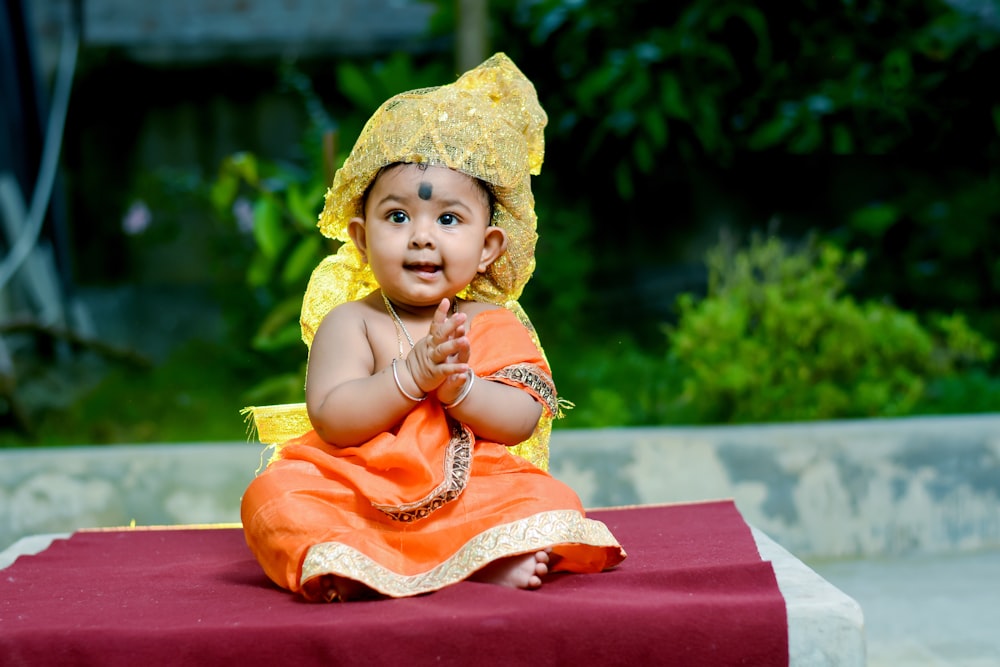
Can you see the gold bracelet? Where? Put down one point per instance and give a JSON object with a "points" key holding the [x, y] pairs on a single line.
{"points": [[399, 385], [464, 394]]}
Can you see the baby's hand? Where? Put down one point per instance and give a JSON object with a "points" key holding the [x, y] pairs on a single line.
{"points": [[442, 354]]}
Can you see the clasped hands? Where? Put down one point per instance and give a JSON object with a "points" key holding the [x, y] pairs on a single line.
{"points": [[439, 362]]}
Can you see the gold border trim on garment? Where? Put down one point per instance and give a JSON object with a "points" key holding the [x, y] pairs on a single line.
{"points": [[533, 533], [457, 463]]}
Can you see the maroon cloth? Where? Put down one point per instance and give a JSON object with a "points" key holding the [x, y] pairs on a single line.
{"points": [[693, 591]]}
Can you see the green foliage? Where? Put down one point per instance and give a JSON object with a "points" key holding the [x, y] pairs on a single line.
{"points": [[280, 203], [617, 382], [647, 108], [972, 392], [776, 338], [711, 78], [190, 398], [933, 246], [558, 291]]}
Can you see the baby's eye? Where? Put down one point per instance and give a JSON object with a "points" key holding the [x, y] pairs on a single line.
{"points": [[448, 219], [398, 217]]}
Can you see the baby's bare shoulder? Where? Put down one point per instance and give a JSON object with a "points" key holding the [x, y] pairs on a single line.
{"points": [[352, 309], [349, 316]]}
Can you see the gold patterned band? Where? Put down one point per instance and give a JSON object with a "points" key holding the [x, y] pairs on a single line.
{"points": [[533, 533]]}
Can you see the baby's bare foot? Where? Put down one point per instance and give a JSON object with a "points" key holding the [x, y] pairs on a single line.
{"points": [[341, 589], [524, 571]]}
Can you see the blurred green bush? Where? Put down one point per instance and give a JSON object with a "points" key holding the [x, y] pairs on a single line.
{"points": [[777, 338]]}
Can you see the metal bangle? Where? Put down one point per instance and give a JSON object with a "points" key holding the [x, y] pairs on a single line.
{"points": [[464, 394], [399, 385]]}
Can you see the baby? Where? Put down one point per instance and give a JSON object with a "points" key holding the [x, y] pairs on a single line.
{"points": [[428, 394]]}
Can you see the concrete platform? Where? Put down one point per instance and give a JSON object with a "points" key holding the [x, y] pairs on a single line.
{"points": [[901, 516]]}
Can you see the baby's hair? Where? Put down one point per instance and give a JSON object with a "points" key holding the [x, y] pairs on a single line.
{"points": [[486, 188]]}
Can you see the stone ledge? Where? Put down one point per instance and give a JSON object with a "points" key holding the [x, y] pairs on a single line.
{"points": [[862, 488], [825, 625], [56, 490], [822, 490]]}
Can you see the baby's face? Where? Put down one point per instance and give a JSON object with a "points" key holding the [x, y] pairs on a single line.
{"points": [[425, 233]]}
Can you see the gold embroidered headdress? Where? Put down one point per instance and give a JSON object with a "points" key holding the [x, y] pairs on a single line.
{"points": [[487, 124]]}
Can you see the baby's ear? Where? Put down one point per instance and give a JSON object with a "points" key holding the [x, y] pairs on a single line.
{"points": [[356, 230], [493, 246]]}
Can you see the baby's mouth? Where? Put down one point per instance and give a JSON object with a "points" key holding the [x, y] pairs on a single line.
{"points": [[423, 268]]}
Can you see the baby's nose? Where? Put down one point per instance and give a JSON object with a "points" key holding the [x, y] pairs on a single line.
{"points": [[422, 235]]}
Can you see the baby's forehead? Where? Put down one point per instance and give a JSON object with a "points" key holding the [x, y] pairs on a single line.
{"points": [[425, 180], [420, 170]]}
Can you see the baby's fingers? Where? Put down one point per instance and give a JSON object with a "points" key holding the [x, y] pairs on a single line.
{"points": [[451, 327], [441, 314], [456, 372], [454, 349]]}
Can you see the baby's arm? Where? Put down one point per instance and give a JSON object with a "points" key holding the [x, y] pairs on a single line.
{"points": [[498, 412], [348, 401]]}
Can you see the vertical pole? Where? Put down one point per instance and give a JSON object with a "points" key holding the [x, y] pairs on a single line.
{"points": [[472, 33]]}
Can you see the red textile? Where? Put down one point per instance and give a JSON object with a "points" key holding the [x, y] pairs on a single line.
{"points": [[692, 592]]}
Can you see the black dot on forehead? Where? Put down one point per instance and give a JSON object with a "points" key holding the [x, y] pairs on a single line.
{"points": [[424, 190]]}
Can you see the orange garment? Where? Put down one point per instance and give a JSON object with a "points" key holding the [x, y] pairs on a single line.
{"points": [[424, 506]]}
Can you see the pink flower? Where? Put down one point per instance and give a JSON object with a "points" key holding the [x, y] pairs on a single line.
{"points": [[137, 219], [243, 211]]}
